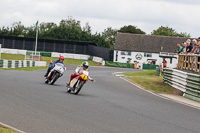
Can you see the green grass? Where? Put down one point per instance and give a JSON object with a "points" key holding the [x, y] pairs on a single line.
{"points": [[25, 68], [6, 130], [12, 56], [148, 80]]}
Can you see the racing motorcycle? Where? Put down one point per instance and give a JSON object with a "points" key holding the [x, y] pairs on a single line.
{"points": [[77, 83], [55, 73]]}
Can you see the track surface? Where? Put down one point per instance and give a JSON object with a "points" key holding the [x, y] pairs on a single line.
{"points": [[110, 105]]}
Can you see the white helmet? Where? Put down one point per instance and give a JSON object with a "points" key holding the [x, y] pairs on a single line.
{"points": [[85, 64]]}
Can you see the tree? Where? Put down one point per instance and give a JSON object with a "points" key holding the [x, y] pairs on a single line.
{"points": [[45, 29], [6, 31], [18, 29], [109, 34], [166, 31], [87, 28], [68, 29], [183, 34], [131, 29]]}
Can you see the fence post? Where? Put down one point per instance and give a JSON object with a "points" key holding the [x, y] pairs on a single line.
{"points": [[0, 51]]}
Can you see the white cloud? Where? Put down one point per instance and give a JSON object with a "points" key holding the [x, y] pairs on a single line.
{"points": [[145, 14]]}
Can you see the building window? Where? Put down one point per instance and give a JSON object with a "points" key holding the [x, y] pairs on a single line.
{"points": [[126, 53], [147, 54], [123, 57]]}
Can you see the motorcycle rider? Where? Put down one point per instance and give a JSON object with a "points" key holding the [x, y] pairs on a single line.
{"points": [[52, 65], [79, 69]]}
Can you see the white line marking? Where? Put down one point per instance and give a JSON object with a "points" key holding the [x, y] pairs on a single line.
{"points": [[160, 95], [5, 125]]}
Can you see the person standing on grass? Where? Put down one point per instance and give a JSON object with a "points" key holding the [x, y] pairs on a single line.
{"points": [[164, 63]]}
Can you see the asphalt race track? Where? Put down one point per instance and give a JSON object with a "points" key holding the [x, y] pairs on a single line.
{"points": [[110, 105]]}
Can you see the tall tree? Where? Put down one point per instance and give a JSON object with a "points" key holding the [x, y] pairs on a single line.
{"points": [[183, 34], [18, 29], [131, 29], [166, 31], [109, 34], [6, 31], [45, 29]]}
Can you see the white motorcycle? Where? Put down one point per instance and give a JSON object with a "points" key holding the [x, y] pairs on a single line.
{"points": [[55, 73]]}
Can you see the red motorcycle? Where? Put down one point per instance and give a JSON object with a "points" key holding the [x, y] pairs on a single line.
{"points": [[77, 83]]}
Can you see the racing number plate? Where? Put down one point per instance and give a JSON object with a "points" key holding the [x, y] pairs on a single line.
{"points": [[73, 82]]}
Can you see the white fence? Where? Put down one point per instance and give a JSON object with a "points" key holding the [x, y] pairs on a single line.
{"points": [[78, 56], [55, 54], [13, 51], [69, 55]]}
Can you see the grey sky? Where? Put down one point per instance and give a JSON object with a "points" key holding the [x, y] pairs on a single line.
{"points": [[145, 14]]}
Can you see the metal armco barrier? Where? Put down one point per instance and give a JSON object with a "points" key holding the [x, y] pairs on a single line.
{"points": [[188, 83]]}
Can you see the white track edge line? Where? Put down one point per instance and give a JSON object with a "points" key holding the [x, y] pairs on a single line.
{"points": [[5, 125], [158, 94]]}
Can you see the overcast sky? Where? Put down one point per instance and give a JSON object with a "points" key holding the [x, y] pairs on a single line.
{"points": [[148, 15]]}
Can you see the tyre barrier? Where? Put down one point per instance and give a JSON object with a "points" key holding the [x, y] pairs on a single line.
{"points": [[188, 83], [1, 63], [20, 63]]}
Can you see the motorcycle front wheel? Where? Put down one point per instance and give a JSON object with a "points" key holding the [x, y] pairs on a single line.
{"points": [[46, 81], [78, 87], [54, 78], [68, 89]]}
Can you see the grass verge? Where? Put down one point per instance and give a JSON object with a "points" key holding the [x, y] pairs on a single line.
{"points": [[25, 68], [12, 56], [149, 80], [6, 130]]}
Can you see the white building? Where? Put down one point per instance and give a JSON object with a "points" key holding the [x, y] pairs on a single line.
{"points": [[146, 49]]}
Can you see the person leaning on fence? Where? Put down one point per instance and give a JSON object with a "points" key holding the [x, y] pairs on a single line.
{"points": [[197, 50], [189, 41], [194, 43], [188, 48], [180, 48], [184, 47]]}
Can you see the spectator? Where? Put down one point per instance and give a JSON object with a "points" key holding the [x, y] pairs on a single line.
{"points": [[164, 63], [188, 40], [180, 48], [198, 39], [197, 50], [128, 60], [194, 42], [184, 45], [188, 48]]}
